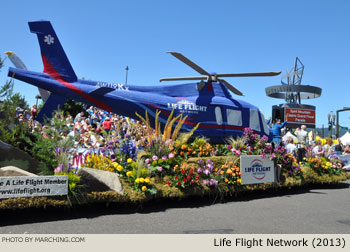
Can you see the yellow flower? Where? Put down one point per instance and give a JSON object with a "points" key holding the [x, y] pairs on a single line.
{"points": [[239, 181], [142, 180], [147, 180], [128, 173], [137, 180], [115, 165], [119, 168], [144, 188], [129, 161]]}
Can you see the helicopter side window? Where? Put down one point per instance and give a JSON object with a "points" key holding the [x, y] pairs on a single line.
{"points": [[266, 128], [254, 122], [218, 115], [234, 117]]}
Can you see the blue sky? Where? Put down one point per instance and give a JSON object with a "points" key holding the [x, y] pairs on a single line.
{"points": [[102, 37]]}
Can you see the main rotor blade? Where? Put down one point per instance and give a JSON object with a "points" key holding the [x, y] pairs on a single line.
{"points": [[184, 78], [229, 86], [189, 63], [248, 74]]}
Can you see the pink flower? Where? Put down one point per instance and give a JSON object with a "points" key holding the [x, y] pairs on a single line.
{"points": [[171, 155], [164, 158], [160, 169], [147, 161], [154, 158]]}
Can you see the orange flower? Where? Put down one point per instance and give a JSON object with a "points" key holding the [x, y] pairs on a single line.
{"points": [[226, 180], [221, 172], [216, 169], [194, 153], [171, 148], [183, 147], [181, 153], [229, 171], [231, 163], [188, 153], [189, 149]]}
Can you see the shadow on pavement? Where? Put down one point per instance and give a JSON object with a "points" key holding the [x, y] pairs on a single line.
{"points": [[27, 216]]}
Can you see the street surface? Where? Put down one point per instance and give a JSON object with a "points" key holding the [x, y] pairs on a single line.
{"points": [[314, 210]]}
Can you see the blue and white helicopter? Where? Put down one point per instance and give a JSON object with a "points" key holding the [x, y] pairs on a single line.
{"points": [[207, 102]]}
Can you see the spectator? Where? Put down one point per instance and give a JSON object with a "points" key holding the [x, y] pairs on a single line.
{"points": [[317, 149], [290, 147], [338, 148], [79, 117], [107, 124], [302, 142]]}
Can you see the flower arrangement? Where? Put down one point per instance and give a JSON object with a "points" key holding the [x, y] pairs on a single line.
{"points": [[323, 165], [207, 173], [230, 174], [183, 177]]}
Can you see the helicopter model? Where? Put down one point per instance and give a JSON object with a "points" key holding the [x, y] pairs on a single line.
{"points": [[207, 101]]}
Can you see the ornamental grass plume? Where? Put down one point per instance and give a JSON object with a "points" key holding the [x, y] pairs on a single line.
{"points": [[161, 143]]}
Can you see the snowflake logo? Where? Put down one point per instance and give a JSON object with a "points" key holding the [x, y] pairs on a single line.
{"points": [[49, 39]]}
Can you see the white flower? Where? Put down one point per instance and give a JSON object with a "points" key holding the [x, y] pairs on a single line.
{"points": [[49, 39]]}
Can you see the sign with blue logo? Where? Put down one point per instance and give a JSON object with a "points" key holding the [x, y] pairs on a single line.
{"points": [[256, 170]]}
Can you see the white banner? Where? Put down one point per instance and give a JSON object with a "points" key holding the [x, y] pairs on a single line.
{"points": [[256, 170], [15, 187]]}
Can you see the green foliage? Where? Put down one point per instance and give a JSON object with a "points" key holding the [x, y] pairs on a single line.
{"points": [[72, 107]]}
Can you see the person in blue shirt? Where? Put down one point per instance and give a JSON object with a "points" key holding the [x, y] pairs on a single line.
{"points": [[276, 131]]}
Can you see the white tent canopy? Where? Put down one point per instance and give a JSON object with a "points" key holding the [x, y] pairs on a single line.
{"points": [[287, 136], [345, 139]]}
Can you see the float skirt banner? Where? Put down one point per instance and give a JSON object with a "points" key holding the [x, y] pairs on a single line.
{"points": [[14, 187], [256, 170]]}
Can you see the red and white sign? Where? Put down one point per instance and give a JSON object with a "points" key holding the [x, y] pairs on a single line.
{"points": [[302, 116]]}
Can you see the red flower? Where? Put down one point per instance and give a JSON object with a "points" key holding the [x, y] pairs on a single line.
{"points": [[169, 182], [184, 180], [189, 177], [176, 177], [192, 182], [197, 177], [191, 171], [182, 171], [178, 183]]}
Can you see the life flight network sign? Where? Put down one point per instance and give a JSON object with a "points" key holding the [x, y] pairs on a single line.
{"points": [[256, 170], [300, 116], [26, 186]]}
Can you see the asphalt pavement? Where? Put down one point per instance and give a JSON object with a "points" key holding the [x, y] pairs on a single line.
{"points": [[318, 210]]}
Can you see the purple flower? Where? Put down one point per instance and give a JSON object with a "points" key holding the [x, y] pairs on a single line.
{"points": [[171, 155], [213, 182], [160, 169], [59, 168], [164, 158], [204, 182], [154, 158], [206, 172], [273, 155], [199, 170]]}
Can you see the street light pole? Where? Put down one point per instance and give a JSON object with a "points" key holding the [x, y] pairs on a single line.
{"points": [[37, 97]]}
